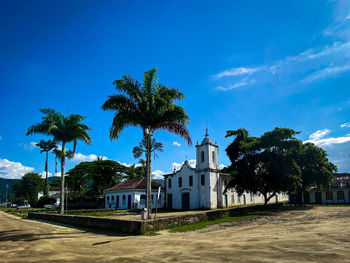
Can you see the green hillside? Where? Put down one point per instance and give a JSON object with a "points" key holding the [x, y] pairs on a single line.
{"points": [[3, 183]]}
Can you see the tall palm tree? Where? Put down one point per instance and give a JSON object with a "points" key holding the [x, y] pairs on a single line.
{"points": [[64, 129], [46, 146], [149, 106]]}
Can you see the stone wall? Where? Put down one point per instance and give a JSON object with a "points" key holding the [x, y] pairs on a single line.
{"points": [[139, 226]]}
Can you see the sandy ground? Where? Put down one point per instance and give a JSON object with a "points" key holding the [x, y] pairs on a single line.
{"points": [[319, 234]]}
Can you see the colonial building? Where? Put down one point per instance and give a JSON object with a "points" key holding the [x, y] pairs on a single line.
{"points": [[339, 193], [131, 194], [203, 186]]}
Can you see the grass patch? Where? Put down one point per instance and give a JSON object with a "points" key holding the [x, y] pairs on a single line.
{"points": [[338, 205], [204, 224], [99, 213]]}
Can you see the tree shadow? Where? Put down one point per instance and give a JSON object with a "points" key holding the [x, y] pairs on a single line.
{"points": [[94, 230], [10, 236]]}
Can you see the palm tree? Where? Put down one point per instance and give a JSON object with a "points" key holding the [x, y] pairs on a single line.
{"points": [[149, 106], [64, 129], [46, 146], [142, 148]]}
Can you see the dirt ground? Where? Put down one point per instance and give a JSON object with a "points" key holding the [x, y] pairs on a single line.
{"points": [[317, 234]]}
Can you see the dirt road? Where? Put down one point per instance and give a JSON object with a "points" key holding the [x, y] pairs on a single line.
{"points": [[320, 234]]}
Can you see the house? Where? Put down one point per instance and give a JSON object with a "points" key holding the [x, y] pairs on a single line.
{"points": [[131, 194], [339, 193], [202, 186], [53, 190]]}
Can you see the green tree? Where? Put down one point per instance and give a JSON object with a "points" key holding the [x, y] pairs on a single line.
{"points": [[28, 188], [46, 146], [316, 169], [149, 106], [100, 174], [266, 164], [64, 129]]}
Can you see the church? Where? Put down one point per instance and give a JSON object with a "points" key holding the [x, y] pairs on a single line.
{"points": [[202, 186]]}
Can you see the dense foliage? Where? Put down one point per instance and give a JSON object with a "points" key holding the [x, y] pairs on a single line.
{"points": [[92, 178], [276, 162], [28, 188]]}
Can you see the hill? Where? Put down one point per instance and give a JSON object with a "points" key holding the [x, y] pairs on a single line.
{"points": [[3, 183]]}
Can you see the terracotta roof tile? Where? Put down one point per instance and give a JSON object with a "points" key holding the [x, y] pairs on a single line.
{"points": [[138, 183]]}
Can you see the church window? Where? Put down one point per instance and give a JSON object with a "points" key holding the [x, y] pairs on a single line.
{"points": [[232, 199], [213, 156], [107, 197], [112, 197], [202, 156], [124, 200], [190, 182], [169, 183], [180, 181], [202, 179]]}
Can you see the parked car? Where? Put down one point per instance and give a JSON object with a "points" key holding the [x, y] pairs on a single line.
{"points": [[23, 205]]}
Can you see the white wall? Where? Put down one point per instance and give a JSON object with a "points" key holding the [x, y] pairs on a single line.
{"points": [[111, 199]]}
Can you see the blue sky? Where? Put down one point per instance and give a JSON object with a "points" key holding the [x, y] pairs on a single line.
{"points": [[249, 64]]}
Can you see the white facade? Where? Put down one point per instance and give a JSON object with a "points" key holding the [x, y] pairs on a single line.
{"points": [[131, 199], [51, 192], [203, 186]]}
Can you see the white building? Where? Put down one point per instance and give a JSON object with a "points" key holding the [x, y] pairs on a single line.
{"points": [[53, 190], [203, 186], [131, 194]]}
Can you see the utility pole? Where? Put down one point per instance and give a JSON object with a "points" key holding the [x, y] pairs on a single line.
{"points": [[7, 187], [66, 190]]}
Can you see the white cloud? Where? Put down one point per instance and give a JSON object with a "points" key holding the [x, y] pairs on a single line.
{"points": [[236, 72], [332, 60], [158, 174], [330, 141], [175, 143], [326, 72], [176, 165], [79, 157], [319, 134], [192, 163], [222, 166], [13, 170], [236, 85], [347, 125], [28, 147]]}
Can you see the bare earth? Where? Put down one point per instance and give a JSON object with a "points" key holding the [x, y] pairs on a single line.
{"points": [[319, 234]]}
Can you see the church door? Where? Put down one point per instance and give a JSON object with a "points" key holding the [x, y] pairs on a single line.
{"points": [[186, 201], [170, 201]]}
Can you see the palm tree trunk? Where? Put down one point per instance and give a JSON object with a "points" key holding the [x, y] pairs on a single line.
{"points": [[62, 179], [46, 189], [148, 175]]}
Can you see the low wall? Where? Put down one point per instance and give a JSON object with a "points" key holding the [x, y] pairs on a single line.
{"points": [[165, 222], [118, 225], [139, 226]]}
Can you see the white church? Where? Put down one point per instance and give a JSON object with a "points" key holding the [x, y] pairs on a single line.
{"points": [[203, 186]]}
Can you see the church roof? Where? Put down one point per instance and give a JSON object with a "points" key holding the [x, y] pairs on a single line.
{"points": [[137, 183], [206, 139]]}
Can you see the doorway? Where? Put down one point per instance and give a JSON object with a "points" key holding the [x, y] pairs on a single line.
{"points": [[186, 201]]}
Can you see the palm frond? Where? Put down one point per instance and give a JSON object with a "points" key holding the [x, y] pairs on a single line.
{"points": [[178, 129]]}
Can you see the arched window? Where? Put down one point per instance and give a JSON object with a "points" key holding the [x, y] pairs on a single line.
{"points": [[213, 156], [202, 156]]}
